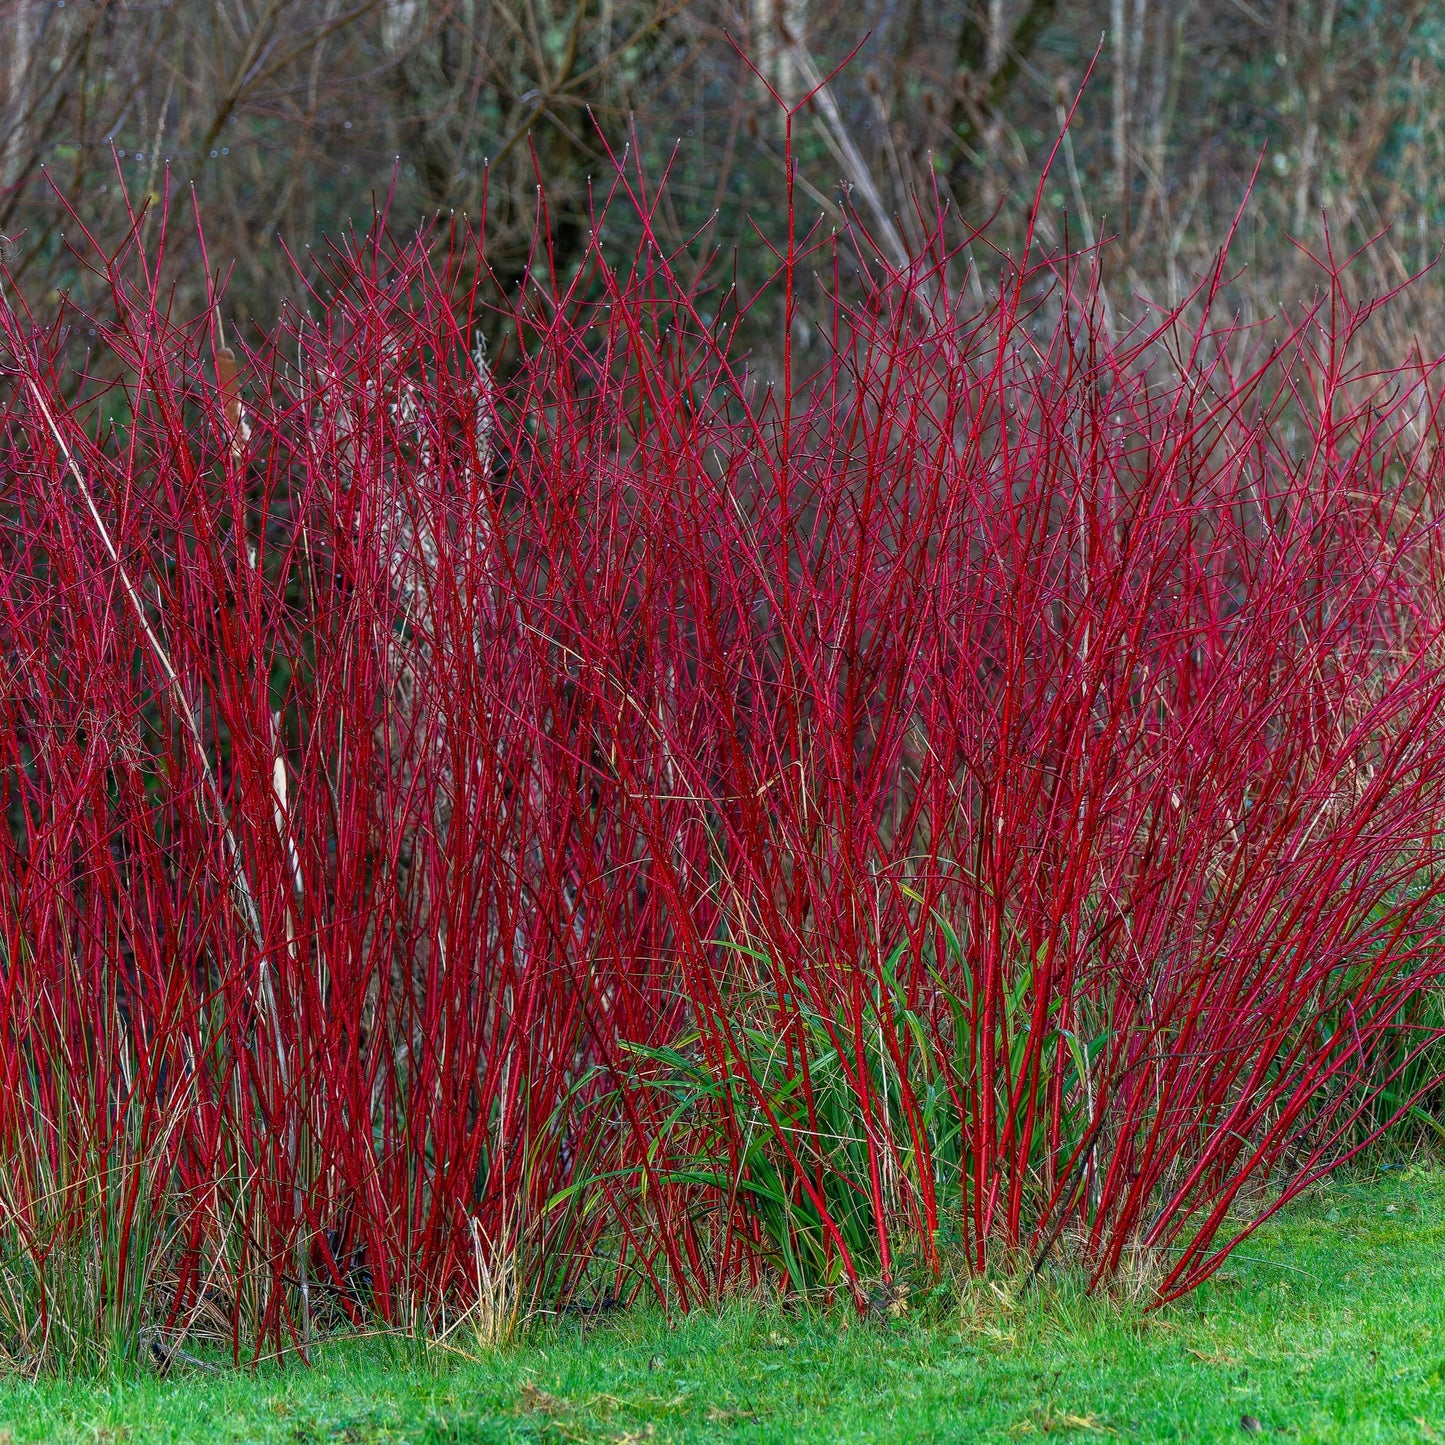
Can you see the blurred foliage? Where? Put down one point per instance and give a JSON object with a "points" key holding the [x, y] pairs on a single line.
{"points": [[294, 120]]}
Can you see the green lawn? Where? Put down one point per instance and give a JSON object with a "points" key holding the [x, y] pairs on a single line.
{"points": [[1330, 1327]]}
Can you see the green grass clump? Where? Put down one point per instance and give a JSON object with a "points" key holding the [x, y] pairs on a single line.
{"points": [[1328, 1326]]}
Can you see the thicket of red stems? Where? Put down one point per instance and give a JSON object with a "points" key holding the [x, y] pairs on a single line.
{"points": [[662, 828]]}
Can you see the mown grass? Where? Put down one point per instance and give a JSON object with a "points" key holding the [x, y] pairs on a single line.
{"points": [[1328, 1326]]}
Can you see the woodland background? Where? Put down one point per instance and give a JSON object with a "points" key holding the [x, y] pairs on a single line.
{"points": [[293, 119]]}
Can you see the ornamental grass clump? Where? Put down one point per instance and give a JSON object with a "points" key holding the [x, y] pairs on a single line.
{"points": [[486, 839]]}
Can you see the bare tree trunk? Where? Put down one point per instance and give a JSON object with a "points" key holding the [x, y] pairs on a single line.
{"points": [[1121, 115], [995, 48], [1168, 67], [776, 26], [1310, 143], [20, 31], [992, 50], [1127, 35]]}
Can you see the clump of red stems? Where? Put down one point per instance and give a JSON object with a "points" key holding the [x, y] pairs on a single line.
{"points": [[639, 824]]}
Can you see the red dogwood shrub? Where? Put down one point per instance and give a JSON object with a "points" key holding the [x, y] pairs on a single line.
{"points": [[639, 821]]}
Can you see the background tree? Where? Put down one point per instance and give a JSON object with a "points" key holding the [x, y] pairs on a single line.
{"points": [[295, 118]]}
